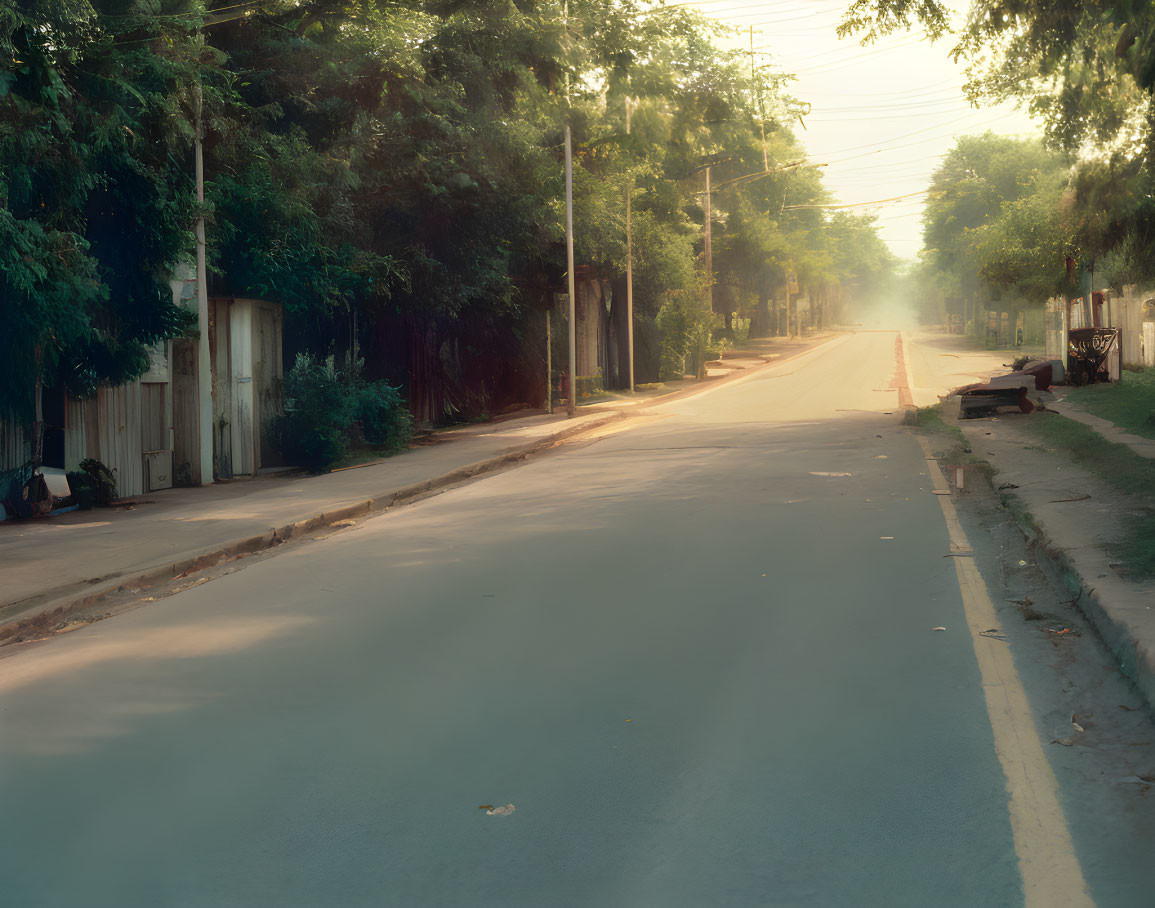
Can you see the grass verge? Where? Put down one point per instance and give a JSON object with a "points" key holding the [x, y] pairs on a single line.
{"points": [[952, 449], [1129, 402], [1119, 466]]}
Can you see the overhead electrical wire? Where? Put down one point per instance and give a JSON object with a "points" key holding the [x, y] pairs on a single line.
{"points": [[842, 206], [878, 146]]}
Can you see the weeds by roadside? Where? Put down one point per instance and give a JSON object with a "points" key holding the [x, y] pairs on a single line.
{"points": [[955, 450]]}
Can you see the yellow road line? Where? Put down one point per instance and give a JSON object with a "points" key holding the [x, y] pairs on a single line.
{"points": [[1052, 877]]}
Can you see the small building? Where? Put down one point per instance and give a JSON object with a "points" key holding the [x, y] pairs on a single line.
{"points": [[146, 430]]}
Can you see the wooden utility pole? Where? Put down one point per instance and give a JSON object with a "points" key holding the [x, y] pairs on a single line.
{"points": [[629, 264], [204, 363], [762, 118], [709, 247], [548, 367], [570, 404]]}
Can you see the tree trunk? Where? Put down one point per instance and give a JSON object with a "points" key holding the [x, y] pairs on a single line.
{"points": [[617, 337], [760, 319]]}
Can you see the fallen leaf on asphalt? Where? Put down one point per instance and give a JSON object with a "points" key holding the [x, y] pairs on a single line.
{"points": [[938, 628], [485, 807], [1066, 742], [1075, 725], [885, 537], [501, 811], [813, 473], [880, 457]]}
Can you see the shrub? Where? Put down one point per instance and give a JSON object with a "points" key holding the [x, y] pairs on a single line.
{"points": [[687, 326], [380, 416], [312, 431], [103, 481], [327, 410]]}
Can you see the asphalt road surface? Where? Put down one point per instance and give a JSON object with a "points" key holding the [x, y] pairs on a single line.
{"points": [[688, 663]]}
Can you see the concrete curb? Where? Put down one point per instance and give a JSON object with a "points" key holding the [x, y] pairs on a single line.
{"points": [[1135, 661], [42, 618]]}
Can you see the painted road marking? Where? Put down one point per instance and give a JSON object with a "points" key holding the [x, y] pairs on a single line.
{"points": [[1048, 865]]}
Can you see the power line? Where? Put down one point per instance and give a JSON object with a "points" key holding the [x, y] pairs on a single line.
{"points": [[846, 206], [878, 146]]}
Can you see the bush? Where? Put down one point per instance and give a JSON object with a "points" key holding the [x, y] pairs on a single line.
{"points": [[103, 481], [687, 326], [327, 410], [311, 432], [380, 416]]}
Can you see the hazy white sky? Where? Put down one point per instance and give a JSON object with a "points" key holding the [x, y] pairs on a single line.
{"points": [[882, 115]]}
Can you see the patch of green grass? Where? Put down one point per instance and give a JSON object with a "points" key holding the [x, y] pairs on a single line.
{"points": [[1129, 402], [1137, 550], [1119, 466], [931, 421]]}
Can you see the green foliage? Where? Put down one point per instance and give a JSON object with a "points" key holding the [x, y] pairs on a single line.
{"points": [[94, 192], [996, 220], [102, 481], [327, 410], [688, 326], [396, 165], [313, 430], [1086, 69], [380, 417]]}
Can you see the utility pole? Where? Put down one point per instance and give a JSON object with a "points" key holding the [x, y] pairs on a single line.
{"points": [[548, 367], [629, 264], [761, 110], [709, 247], [571, 404], [204, 363], [789, 333]]}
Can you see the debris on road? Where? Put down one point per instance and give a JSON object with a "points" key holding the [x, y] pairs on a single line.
{"points": [[501, 811], [1027, 387], [813, 473], [938, 628]]}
